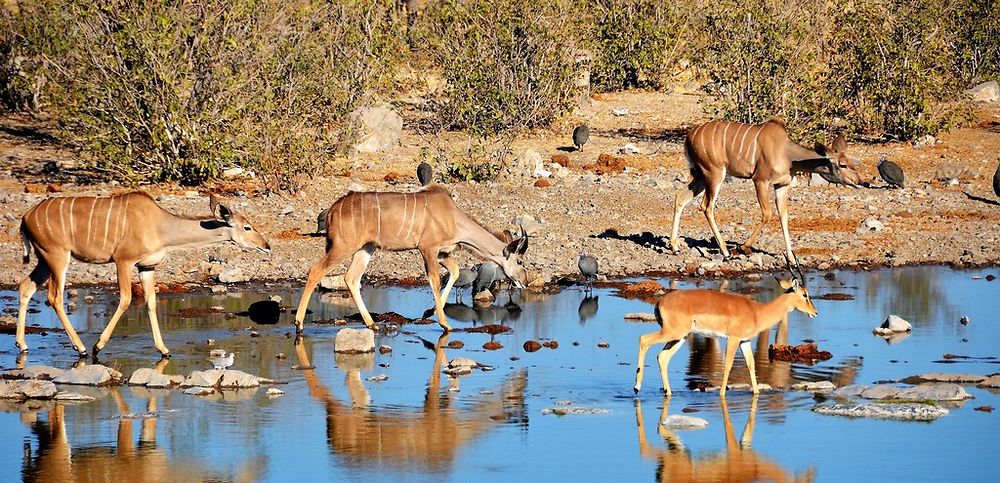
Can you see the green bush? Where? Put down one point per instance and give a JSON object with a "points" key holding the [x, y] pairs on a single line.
{"points": [[162, 90], [634, 42], [978, 39]]}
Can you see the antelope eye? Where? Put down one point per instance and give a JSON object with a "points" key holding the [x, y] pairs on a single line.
{"points": [[247, 228]]}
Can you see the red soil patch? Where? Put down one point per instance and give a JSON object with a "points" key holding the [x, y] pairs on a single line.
{"points": [[561, 160], [10, 328], [291, 234], [647, 290], [456, 344], [805, 353], [492, 329], [543, 183], [834, 296]]}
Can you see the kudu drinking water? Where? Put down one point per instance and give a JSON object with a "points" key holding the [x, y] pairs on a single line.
{"points": [[428, 220], [763, 153], [129, 230]]}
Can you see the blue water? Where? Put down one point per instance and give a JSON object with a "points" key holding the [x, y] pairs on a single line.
{"points": [[332, 423]]}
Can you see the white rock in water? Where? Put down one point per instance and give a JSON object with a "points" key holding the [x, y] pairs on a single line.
{"points": [[678, 421], [199, 391], [935, 392], [274, 392], [379, 378], [89, 375], [462, 362], [354, 341], [893, 324], [818, 386], [27, 389], [880, 391], [901, 411]]}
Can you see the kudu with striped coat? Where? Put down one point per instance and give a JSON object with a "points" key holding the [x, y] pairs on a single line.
{"points": [[763, 153], [427, 220], [129, 230]]}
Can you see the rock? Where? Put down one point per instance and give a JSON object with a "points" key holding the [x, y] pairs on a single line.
{"points": [[379, 378], [89, 375], [892, 325], [818, 386], [949, 171], [641, 316], [816, 180], [384, 349], [757, 259], [222, 378], [354, 341], [456, 344], [233, 275], [287, 210], [34, 372], [985, 92], [232, 172], [879, 391], [629, 149], [72, 397], [274, 392], [542, 183], [846, 392], [935, 392], [992, 382], [202, 379], [561, 160], [620, 111], [603, 345], [492, 345], [924, 141], [217, 289], [463, 362], [681, 422], [900, 411], [568, 410], [157, 380], [942, 377], [333, 282], [27, 389], [140, 376], [870, 225], [199, 391], [532, 346], [964, 320], [530, 224], [375, 128]]}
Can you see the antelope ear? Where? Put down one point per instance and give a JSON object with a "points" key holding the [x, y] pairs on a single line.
{"points": [[506, 236], [523, 245], [786, 284], [840, 144], [511, 248], [220, 211]]}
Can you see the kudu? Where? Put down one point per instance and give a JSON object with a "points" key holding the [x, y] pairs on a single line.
{"points": [[763, 153], [428, 220], [129, 230], [737, 318]]}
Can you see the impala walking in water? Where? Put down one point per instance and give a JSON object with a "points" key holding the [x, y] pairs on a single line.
{"points": [[129, 230], [763, 153], [737, 318], [360, 223]]}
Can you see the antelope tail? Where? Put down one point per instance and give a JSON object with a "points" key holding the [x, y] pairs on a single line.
{"points": [[25, 244]]}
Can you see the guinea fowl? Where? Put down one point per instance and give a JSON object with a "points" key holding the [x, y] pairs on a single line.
{"points": [[890, 172], [487, 273], [465, 278], [588, 267], [424, 174], [580, 136]]}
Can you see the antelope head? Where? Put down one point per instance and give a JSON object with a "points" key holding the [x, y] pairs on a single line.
{"points": [[844, 166], [512, 261], [797, 286], [241, 231]]}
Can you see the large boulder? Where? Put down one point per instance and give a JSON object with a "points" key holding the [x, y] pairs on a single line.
{"points": [[354, 341], [985, 92], [375, 129], [223, 378], [150, 378], [89, 375], [27, 389], [893, 324], [935, 392]]}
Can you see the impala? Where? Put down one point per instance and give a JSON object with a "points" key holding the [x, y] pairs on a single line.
{"points": [[760, 152], [359, 223], [735, 317], [129, 230]]}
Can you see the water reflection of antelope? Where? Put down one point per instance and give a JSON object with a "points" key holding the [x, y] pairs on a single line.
{"points": [[56, 459], [429, 436], [738, 463]]}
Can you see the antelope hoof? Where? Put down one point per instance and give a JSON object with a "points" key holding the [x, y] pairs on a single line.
{"points": [[82, 353], [165, 355], [635, 389], [96, 349], [23, 349]]}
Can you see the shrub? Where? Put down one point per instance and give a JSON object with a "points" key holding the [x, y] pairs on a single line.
{"points": [[165, 91]]}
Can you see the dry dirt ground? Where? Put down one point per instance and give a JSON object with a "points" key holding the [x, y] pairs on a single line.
{"points": [[621, 218]]}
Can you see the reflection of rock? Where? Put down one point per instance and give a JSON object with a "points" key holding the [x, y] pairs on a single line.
{"points": [[199, 391], [27, 389], [896, 338], [354, 341], [902, 411], [682, 422], [942, 377], [90, 375], [66, 397], [354, 362], [461, 365]]}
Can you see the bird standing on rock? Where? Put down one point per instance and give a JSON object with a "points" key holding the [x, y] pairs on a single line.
{"points": [[424, 173], [890, 172], [588, 267], [580, 136], [221, 360], [487, 273]]}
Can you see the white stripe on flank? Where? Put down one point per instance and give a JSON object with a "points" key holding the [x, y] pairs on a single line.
{"points": [[72, 222], [753, 147], [413, 216], [121, 233], [746, 130], [712, 141], [62, 216], [46, 217], [403, 219], [90, 220], [340, 218], [107, 224], [725, 141]]}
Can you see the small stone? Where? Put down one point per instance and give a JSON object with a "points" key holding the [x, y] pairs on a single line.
{"points": [[924, 141], [354, 341], [333, 282], [492, 345], [280, 356], [870, 225], [964, 320], [233, 275], [985, 409], [72, 396], [551, 344], [532, 346], [384, 349], [902, 411], [676, 421], [893, 324], [89, 375], [456, 344], [210, 342], [273, 392], [603, 345], [379, 378], [199, 391], [818, 386]]}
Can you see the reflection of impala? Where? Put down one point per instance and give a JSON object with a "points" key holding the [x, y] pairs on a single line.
{"points": [[428, 221], [737, 318], [430, 436], [56, 460], [763, 153], [738, 464], [129, 230]]}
